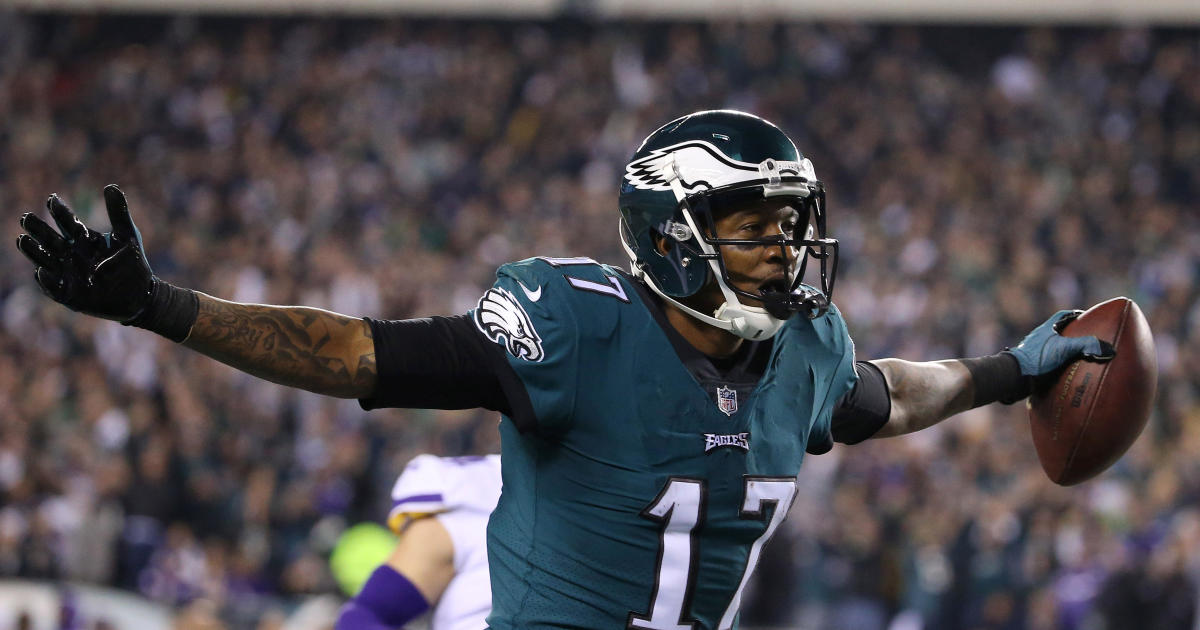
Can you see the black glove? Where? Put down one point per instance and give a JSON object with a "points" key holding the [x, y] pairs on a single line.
{"points": [[104, 274]]}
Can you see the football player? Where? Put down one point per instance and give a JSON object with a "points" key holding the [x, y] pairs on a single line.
{"points": [[440, 508], [655, 420]]}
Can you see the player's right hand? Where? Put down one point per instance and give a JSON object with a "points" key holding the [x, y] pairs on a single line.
{"points": [[101, 274]]}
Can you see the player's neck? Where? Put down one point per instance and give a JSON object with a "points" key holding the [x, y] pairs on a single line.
{"points": [[708, 339]]}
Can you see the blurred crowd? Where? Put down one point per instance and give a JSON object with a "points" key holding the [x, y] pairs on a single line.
{"points": [[978, 179]]}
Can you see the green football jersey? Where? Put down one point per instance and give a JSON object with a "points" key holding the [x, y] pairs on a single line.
{"points": [[639, 499]]}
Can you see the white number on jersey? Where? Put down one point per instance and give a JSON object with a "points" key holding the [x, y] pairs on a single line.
{"points": [[680, 507], [760, 492], [613, 288]]}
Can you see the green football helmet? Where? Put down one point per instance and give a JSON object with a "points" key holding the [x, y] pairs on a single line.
{"points": [[688, 172]]}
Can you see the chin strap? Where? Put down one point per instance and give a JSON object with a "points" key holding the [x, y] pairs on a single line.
{"points": [[747, 322]]}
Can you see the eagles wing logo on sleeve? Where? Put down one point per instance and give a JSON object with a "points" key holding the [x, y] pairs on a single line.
{"points": [[498, 315]]}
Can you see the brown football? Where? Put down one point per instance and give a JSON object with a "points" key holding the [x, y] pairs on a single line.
{"points": [[1095, 410]]}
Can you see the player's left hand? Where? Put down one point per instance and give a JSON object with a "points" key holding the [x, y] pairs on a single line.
{"points": [[1045, 351], [104, 274]]}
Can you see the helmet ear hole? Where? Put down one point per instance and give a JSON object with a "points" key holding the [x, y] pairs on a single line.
{"points": [[662, 243]]}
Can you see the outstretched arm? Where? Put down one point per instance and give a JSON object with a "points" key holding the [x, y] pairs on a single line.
{"points": [[298, 346], [925, 393], [106, 275]]}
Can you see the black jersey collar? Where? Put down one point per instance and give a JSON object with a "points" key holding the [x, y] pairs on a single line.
{"points": [[741, 371]]}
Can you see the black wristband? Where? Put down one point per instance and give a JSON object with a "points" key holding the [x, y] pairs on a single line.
{"points": [[998, 377], [170, 312]]}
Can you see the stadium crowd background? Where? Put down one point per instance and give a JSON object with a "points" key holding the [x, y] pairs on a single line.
{"points": [[978, 179]]}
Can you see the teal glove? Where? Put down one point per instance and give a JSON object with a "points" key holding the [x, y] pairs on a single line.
{"points": [[1044, 350]]}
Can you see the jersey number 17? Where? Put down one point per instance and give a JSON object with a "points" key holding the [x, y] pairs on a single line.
{"points": [[680, 508]]}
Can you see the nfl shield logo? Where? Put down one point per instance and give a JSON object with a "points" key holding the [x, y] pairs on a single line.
{"points": [[727, 400]]}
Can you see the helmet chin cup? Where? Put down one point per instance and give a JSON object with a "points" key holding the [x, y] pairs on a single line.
{"points": [[748, 322]]}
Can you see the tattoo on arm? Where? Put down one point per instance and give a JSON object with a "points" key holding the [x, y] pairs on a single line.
{"points": [[924, 394], [303, 347]]}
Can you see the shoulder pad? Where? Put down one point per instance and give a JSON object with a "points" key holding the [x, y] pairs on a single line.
{"points": [[836, 332], [543, 270], [830, 329], [552, 287]]}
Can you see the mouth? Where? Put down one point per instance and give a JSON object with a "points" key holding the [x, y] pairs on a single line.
{"points": [[774, 295], [773, 286]]}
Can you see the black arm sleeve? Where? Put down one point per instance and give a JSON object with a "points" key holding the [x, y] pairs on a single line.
{"points": [[444, 363], [864, 410]]}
